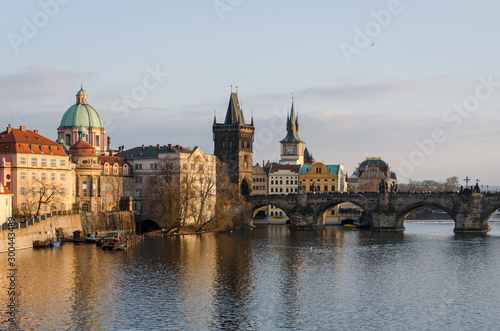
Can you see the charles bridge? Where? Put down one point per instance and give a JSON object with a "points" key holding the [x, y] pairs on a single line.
{"points": [[387, 211]]}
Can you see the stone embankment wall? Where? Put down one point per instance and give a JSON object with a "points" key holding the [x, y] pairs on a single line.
{"points": [[46, 227], [102, 222]]}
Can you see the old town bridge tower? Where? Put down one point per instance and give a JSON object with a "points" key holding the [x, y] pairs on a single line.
{"points": [[233, 145]]}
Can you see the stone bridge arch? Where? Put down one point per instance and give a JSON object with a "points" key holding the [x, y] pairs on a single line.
{"points": [[256, 207], [491, 204], [407, 210], [324, 207]]}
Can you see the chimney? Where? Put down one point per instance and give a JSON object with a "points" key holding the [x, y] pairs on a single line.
{"points": [[142, 146], [35, 131], [109, 143], [157, 147], [169, 146], [9, 129], [22, 128]]}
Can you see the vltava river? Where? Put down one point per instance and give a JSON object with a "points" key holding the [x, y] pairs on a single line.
{"points": [[265, 279]]}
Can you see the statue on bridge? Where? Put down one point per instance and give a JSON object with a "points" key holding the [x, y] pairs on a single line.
{"points": [[383, 187]]}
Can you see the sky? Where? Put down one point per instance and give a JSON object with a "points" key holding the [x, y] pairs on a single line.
{"points": [[415, 82]]}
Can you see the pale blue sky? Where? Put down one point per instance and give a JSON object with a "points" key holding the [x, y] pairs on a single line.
{"points": [[427, 56]]}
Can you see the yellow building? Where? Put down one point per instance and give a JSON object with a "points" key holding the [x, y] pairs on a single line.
{"points": [[260, 182], [321, 178]]}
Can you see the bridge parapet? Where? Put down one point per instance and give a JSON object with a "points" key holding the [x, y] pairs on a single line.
{"points": [[387, 210]]}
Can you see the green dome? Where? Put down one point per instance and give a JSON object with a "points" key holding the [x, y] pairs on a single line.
{"points": [[81, 92], [81, 115]]}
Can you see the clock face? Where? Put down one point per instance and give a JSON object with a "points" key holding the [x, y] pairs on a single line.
{"points": [[289, 150]]}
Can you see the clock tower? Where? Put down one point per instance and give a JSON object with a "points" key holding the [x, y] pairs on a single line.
{"points": [[292, 148]]}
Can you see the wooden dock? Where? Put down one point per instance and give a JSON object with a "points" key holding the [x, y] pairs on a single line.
{"points": [[129, 242]]}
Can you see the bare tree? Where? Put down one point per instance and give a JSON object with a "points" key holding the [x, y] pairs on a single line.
{"points": [[231, 208], [194, 198], [451, 184], [40, 194]]}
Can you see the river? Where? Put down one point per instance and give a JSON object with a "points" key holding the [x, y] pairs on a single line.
{"points": [[265, 278]]}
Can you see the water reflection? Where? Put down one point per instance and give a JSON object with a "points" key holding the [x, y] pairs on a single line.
{"points": [[266, 278]]}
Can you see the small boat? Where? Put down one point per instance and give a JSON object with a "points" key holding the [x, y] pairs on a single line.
{"points": [[363, 224], [56, 244], [350, 226]]}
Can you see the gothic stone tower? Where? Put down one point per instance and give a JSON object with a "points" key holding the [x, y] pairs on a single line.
{"points": [[292, 147], [233, 145]]}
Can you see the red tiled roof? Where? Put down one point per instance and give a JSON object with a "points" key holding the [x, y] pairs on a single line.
{"points": [[5, 190], [27, 141], [291, 167], [111, 160], [81, 147]]}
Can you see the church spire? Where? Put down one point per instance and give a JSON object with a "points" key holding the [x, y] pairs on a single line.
{"points": [[292, 126], [234, 114]]}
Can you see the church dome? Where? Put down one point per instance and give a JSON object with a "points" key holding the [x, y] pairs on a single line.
{"points": [[82, 147], [81, 114]]}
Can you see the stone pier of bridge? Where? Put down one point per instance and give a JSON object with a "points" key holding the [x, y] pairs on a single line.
{"points": [[470, 211]]}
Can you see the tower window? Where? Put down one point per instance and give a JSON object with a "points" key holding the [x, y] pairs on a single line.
{"points": [[97, 140]]}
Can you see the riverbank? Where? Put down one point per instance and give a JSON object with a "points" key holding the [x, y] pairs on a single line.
{"points": [[47, 226]]}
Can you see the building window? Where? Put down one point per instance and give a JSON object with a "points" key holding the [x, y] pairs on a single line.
{"points": [[34, 161], [115, 170], [106, 170], [85, 207], [44, 176], [62, 176], [125, 170], [52, 176], [33, 175], [44, 162], [62, 191], [84, 187], [97, 140], [272, 190], [53, 163], [33, 191], [23, 206], [22, 160], [68, 139], [62, 163], [63, 206], [23, 190], [23, 174]]}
